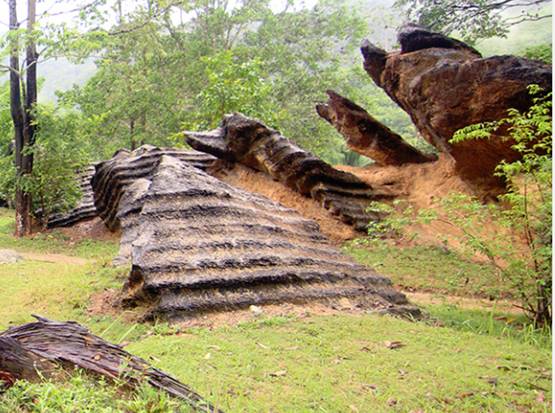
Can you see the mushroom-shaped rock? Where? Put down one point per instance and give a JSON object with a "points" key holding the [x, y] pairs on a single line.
{"points": [[445, 85]]}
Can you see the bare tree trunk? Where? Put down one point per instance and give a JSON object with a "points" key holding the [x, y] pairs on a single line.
{"points": [[133, 144], [34, 350], [22, 164]]}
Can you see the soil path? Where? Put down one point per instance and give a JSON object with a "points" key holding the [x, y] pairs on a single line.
{"points": [[55, 258]]}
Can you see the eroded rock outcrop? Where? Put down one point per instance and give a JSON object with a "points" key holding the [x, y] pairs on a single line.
{"points": [[84, 209], [445, 85], [127, 168], [199, 245], [366, 135], [251, 143]]}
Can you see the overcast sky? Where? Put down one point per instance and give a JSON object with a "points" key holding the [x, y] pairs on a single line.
{"points": [[61, 10]]}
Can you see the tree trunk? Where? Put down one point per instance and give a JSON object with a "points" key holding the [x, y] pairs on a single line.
{"points": [[22, 164], [132, 143], [366, 136]]}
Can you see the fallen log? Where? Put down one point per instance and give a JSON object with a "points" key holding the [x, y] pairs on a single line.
{"points": [[251, 143], [366, 135], [37, 349]]}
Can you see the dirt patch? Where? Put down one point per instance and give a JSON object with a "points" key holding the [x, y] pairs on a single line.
{"points": [[91, 229], [261, 313], [424, 186], [257, 182], [55, 258], [421, 184], [106, 302]]}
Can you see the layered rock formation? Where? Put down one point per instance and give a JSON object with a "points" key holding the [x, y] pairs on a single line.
{"points": [[251, 143], [445, 85], [85, 208], [127, 168], [197, 245], [367, 136]]}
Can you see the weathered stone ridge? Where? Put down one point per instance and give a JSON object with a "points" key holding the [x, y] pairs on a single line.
{"points": [[251, 143], [84, 209], [199, 245], [366, 135], [125, 168]]}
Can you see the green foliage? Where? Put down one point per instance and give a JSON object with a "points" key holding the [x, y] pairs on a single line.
{"points": [[58, 153], [543, 52], [231, 85], [521, 250], [390, 223], [159, 75], [86, 395]]}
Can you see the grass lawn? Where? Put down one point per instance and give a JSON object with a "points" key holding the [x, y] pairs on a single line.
{"points": [[428, 268], [459, 360]]}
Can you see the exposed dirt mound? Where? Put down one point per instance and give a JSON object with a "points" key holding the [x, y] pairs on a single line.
{"points": [[423, 186]]}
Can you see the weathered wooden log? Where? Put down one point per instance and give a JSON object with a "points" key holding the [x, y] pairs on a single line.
{"points": [[33, 350], [445, 85], [366, 135], [251, 143], [199, 245], [137, 164]]}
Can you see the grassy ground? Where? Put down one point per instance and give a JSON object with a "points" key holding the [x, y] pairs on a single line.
{"points": [[428, 268], [460, 360]]}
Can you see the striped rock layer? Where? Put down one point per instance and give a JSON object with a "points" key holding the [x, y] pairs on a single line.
{"points": [[85, 208], [112, 177], [249, 142], [199, 245]]}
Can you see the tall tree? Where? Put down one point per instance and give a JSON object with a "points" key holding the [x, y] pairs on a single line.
{"points": [[22, 112]]}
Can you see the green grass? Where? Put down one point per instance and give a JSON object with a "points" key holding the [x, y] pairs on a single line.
{"points": [[85, 395], [457, 361], [428, 268], [341, 364]]}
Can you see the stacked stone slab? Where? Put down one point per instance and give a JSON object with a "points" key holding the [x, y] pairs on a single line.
{"points": [[251, 143], [199, 245], [85, 208], [126, 167]]}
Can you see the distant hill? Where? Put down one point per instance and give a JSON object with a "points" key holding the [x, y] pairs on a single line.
{"points": [[519, 38], [60, 74]]}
